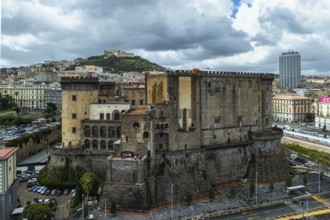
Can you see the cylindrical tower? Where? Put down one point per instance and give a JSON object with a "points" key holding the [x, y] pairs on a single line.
{"points": [[77, 94]]}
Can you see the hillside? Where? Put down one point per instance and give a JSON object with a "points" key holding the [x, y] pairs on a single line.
{"points": [[124, 64]]}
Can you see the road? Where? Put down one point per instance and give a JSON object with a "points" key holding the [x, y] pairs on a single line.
{"points": [[285, 210], [306, 144]]}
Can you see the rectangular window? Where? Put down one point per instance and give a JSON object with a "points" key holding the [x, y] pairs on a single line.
{"points": [[74, 115], [74, 130], [74, 98], [101, 116], [141, 102], [133, 102], [239, 121], [216, 123], [141, 94], [108, 116]]}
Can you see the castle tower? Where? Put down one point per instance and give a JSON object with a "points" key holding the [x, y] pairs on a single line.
{"points": [[77, 94]]}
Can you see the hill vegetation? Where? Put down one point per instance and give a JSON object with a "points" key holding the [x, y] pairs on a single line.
{"points": [[121, 64]]}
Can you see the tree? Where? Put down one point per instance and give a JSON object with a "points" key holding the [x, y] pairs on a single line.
{"points": [[113, 207], [38, 212], [88, 182], [310, 117], [211, 193], [188, 197], [50, 110]]}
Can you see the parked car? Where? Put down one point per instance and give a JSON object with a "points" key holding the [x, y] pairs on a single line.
{"points": [[30, 184], [33, 187], [36, 189], [66, 192], [53, 192], [42, 192], [59, 192], [48, 191]]}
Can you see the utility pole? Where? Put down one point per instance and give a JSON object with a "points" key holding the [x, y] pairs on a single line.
{"points": [[172, 201], [256, 187], [319, 177], [82, 202]]}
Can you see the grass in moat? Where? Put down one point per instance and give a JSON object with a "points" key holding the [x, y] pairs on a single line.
{"points": [[313, 154]]}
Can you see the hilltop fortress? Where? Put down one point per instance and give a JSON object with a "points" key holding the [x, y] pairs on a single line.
{"points": [[197, 129]]}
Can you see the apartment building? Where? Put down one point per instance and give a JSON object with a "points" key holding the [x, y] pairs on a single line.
{"points": [[8, 182], [290, 108]]}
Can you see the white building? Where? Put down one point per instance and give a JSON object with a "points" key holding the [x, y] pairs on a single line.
{"points": [[322, 117]]}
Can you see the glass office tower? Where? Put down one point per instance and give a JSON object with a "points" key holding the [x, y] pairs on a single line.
{"points": [[290, 70]]}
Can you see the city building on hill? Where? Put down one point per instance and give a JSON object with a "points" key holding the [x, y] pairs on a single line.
{"points": [[32, 95], [290, 108], [290, 70], [322, 116], [8, 181]]}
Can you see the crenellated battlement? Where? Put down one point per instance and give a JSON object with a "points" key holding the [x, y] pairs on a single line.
{"points": [[75, 79], [220, 74]]}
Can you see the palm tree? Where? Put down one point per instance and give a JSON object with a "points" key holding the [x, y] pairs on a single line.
{"points": [[88, 181]]}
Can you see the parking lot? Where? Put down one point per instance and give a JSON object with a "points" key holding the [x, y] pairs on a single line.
{"points": [[62, 211]]}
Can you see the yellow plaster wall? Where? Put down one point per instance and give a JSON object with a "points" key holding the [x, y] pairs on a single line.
{"points": [[185, 99], [81, 108], [161, 92]]}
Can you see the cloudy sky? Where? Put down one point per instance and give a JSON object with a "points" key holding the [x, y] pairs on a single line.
{"points": [[232, 35]]}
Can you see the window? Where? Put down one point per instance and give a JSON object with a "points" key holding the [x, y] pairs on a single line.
{"points": [[74, 115], [141, 102], [74, 98], [119, 131], [115, 115], [141, 94], [239, 121], [87, 131], [95, 131], [133, 102], [101, 116], [108, 116], [145, 134], [160, 146], [126, 94], [74, 130], [136, 125], [216, 123], [133, 93], [95, 144], [103, 131], [103, 144], [87, 144], [110, 145]]}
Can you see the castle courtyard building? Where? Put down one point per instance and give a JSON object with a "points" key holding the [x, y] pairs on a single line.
{"points": [[191, 124]]}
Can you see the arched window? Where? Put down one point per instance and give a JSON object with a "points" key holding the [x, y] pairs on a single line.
{"points": [[116, 115], [87, 144], [95, 144], [111, 131], [111, 144], [136, 125], [95, 131], [103, 131], [118, 131], [103, 144], [87, 131]]}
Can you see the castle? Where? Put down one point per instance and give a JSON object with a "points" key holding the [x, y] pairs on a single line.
{"points": [[197, 129]]}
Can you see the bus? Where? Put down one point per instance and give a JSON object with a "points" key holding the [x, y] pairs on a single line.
{"points": [[295, 190]]}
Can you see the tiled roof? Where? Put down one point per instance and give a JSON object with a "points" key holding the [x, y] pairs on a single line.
{"points": [[7, 152]]}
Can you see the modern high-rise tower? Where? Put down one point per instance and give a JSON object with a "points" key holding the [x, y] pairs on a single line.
{"points": [[290, 70]]}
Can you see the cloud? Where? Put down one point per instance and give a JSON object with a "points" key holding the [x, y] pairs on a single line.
{"points": [[176, 34]]}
